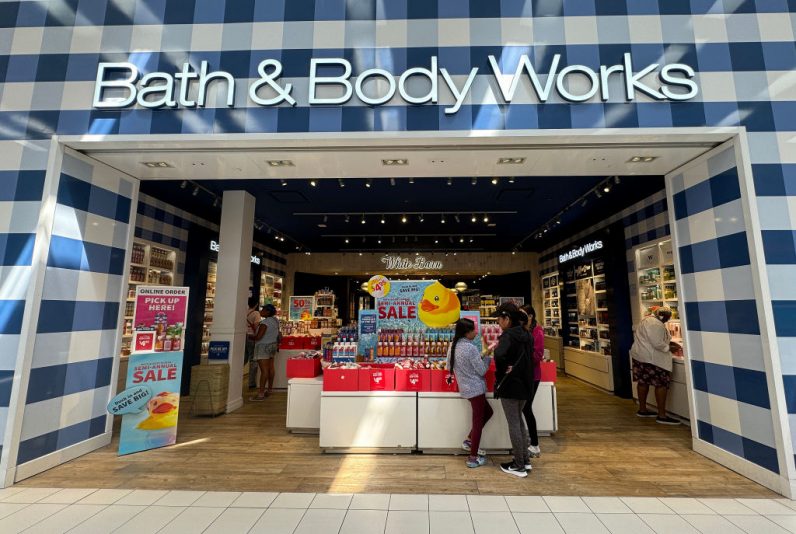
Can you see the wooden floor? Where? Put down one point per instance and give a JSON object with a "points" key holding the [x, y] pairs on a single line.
{"points": [[601, 449]]}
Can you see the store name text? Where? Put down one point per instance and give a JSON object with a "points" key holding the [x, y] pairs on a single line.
{"points": [[215, 247], [406, 264], [580, 252], [188, 88]]}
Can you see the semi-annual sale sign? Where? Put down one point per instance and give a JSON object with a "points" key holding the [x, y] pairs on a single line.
{"points": [[415, 305], [153, 424], [159, 319], [301, 308]]}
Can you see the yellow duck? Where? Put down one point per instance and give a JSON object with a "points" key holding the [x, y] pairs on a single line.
{"points": [[163, 412], [439, 306]]}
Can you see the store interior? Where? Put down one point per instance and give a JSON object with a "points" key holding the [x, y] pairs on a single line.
{"points": [[489, 222]]}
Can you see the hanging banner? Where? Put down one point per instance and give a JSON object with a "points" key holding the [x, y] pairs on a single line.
{"points": [[301, 308], [153, 424], [416, 305], [159, 319]]}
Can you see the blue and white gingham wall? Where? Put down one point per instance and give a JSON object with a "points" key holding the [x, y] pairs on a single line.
{"points": [[22, 169], [77, 331], [742, 50], [727, 355]]}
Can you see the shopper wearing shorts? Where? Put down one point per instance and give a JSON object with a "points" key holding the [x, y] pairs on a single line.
{"points": [[513, 383], [466, 363], [266, 345], [652, 363], [253, 319]]}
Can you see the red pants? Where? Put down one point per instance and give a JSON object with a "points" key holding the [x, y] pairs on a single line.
{"points": [[482, 412]]}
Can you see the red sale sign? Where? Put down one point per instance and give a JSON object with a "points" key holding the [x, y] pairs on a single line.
{"points": [[159, 319]]}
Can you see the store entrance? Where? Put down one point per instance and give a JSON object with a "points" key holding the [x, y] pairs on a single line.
{"points": [[493, 217]]}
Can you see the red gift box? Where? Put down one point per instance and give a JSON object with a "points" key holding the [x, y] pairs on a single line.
{"points": [[548, 371], [443, 381], [315, 343], [291, 343], [341, 380], [377, 377], [303, 367], [490, 375], [413, 379]]}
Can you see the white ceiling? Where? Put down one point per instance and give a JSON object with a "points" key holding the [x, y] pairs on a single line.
{"points": [[246, 156]]}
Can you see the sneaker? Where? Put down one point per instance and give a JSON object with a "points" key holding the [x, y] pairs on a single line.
{"points": [[466, 446], [646, 413], [667, 421], [478, 462], [535, 451], [511, 469], [528, 466]]}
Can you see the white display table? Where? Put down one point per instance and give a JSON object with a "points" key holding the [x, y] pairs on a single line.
{"points": [[304, 405], [444, 420], [359, 421]]}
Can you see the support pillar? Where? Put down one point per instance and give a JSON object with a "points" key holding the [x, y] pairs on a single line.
{"points": [[232, 285]]}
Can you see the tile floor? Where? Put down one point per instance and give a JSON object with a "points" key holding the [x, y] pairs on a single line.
{"points": [[91, 511]]}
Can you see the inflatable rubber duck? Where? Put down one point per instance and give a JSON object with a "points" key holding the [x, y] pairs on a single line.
{"points": [[163, 411], [439, 306]]}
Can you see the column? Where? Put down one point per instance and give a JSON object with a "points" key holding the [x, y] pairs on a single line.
{"points": [[232, 285]]}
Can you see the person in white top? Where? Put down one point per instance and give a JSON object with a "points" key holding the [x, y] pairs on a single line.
{"points": [[252, 323], [652, 363]]}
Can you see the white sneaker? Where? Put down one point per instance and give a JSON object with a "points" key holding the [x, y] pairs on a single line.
{"points": [[528, 467], [534, 451], [466, 447]]}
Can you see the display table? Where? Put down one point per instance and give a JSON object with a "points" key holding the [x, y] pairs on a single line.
{"points": [[304, 405], [360, 421], [591, 367], [444, 419]]}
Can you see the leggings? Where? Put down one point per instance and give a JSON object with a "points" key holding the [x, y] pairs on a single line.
{"points": [[482, 413], [530, 419], [518, 431]]}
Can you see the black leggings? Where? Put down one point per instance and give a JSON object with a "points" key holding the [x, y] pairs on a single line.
{"points": [[530, 420]]}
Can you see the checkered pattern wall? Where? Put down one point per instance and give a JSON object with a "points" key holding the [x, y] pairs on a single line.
{"points": [[742, 50], [77, 331], [732, 400]]}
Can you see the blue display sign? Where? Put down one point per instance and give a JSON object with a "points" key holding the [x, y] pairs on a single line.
{"points": [[367, 333], [218, 350]]}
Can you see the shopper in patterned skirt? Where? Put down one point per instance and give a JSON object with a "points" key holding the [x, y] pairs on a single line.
{"points": [[652, 363]]}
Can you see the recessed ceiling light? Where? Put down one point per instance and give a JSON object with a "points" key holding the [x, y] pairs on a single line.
{"points": [[403, 218], [510, 161], [346, 240], [642, 159], [398, 161], [280, 163], [157, 165]]}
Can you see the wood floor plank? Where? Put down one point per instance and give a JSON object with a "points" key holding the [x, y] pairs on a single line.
{"points": [[602, 449]]}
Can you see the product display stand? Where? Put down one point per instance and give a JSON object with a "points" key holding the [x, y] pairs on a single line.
{"points": [[304, 405], [368, 421]]}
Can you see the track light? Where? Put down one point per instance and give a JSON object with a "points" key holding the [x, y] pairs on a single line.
{"points": [[368, 183], [585, 201], [378, 241], [383, 220], [195, 191], [411, 180], [346, 240], [450, 181], [456, 218], [486, 218], [216, 202], [474, 180], [617, 180], [392, 181], [473, 218], [495, 180], [461, 240], [283, 183], [421, 219], [597, 193], [341, 182], [403, 218], [442, 219], [184, 184], [436, 241], [363, 221], [347, 218], [607, 188], [313, 183], [471, 240], [511, 179]]}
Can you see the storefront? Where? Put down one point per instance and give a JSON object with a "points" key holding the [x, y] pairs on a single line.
{"points": [[109, 111]]}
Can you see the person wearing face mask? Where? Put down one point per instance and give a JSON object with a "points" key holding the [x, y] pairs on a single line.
{"points": [[652, 363], [514, 383]]}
